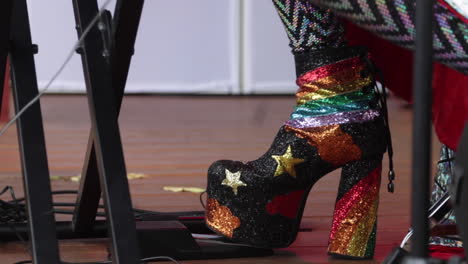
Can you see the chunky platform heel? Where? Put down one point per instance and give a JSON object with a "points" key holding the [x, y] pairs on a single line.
{"points": [[339, 122], [354, 224]]}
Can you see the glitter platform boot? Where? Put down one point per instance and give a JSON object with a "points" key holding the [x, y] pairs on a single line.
{"points": [[339, 122]]}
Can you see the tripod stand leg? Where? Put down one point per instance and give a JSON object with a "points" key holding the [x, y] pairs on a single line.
{"points": [[106, 138], [125, 27], [41, 221]]}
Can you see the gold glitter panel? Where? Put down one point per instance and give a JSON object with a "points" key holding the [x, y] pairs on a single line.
{"points": [[358, 244], [220, 218], [333, 145]]}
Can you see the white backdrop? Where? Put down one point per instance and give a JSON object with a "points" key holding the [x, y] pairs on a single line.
{"points": [[183, 46]]}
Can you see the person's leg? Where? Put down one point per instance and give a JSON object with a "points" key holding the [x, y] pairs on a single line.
{"points": [[312, 28], [393, 20], [309, 27], [338, 122]]}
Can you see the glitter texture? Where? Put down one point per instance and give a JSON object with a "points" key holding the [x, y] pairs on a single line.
{"points": [[333, 145], [353, 101], [220, 218], [358, 245], [270, 204], [356, 212], [286, 163], [340, 118], [233, 180], [332, 80], [349, 68], [334, 89]]}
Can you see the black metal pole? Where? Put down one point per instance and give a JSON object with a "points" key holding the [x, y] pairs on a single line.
{"points": [[124, 31], [107, 141], [422, 94], [37, 189]]}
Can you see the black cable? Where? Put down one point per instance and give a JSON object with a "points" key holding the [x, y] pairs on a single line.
{"points": [[384, 108], [145, 260], [61, 204], [382, 99], [21, 238], [153, 259], [13, 207], [14, 211], [443, 188], [201, 199], [70, 212], [11, 212], [19, 209], [22, 199], [138, 212], [12, 192]]}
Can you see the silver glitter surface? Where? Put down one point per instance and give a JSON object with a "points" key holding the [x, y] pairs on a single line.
{"points": [[335, 119]]}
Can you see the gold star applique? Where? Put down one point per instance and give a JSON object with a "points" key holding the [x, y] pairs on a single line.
{"points": [[286, 163], [233, 180]]}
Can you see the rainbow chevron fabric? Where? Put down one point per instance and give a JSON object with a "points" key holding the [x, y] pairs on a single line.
{"points": [[310, 27]]}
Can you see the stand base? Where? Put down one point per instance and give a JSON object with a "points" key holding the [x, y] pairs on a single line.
{"points": [[173, 239], [157, 238]]}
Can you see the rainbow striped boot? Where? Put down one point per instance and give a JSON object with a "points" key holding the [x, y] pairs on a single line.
{"points": [[339, 122]]}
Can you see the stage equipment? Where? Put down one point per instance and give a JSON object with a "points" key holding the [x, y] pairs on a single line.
{"points": [[106, 53]]}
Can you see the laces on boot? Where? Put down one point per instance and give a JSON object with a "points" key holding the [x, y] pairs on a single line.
{"points": [[383, 104]]}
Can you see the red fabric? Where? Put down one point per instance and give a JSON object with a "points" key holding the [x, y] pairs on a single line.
{"points": [[450, 88], [286, 205], [450, 104], [4, 110], [442, 252]]}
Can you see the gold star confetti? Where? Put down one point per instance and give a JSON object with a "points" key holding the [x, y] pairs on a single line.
{"points": [[233, 180], [183, 189], [77, 178], [286, 163]]}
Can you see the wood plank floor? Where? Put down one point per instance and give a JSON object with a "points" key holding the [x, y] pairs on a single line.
{"points": [[174, 139]]}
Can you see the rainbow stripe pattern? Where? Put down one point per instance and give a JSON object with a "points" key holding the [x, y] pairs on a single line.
{"points": [[355, 218]]}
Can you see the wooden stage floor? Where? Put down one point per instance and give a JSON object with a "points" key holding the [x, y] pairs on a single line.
{"points": [[173, 140]]}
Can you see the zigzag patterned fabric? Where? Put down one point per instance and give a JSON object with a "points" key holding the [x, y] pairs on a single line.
{"points": [[393, 20], [309, 27]]}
